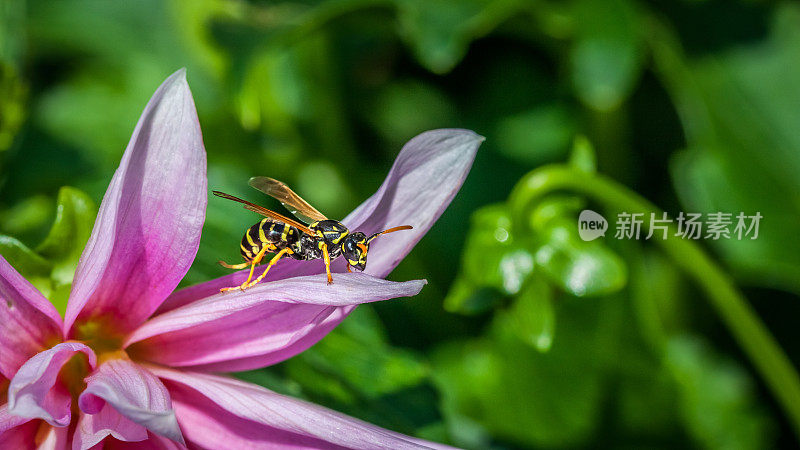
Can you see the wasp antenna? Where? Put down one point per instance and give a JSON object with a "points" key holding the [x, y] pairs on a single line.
{"points": [[390, 230], [223, 195]]}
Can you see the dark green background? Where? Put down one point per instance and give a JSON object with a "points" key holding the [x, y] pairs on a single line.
{"points": [[693, 104]]}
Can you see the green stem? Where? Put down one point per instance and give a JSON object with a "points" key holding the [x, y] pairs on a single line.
{"points": [[737, 314]]}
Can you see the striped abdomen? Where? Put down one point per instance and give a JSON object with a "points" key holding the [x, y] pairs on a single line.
{"points": [[272, 235]]}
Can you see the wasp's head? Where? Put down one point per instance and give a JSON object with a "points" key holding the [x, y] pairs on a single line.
{"points": [[355, 246]]}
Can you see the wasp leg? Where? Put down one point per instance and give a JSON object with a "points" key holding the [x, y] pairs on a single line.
{"points": [[275, 259], [233, 266], [256, 260], [253, 263], [327, 258], [348, 268]]}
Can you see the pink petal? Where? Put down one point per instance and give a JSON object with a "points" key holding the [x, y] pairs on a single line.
{"points": [[210, 426], [421, 184], [148, 227], [8, 420], [28, 322], [260, 325], [33, 392], [153, 442], [55, 438], [425, 177], [135, 393], [93, 428], [214, 408], [21, 437]]}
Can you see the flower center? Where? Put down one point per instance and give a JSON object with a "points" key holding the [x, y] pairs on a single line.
{"points": [[101, 337], [72, 375]]}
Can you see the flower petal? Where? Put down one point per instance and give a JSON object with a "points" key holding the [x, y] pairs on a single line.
{"points": [[33, 392], [93, 428], [20, 437], [425, 177], [135, 393], [215, 409], [213, 427], [53, 438], [153, 442], [421, 184], [259, 326], [27, 320], [8, 420], [148, 226]]}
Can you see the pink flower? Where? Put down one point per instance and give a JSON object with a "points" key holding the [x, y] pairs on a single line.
{"points": [[132, 360]]}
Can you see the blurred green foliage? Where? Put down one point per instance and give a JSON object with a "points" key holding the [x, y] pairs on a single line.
{"points": [[51, 266], [524, 337]]}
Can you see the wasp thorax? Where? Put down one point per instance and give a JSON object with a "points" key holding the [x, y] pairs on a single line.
{"points": [[330, 231]]}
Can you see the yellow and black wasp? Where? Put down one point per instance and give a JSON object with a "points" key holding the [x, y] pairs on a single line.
{"points": [[321, 238]]}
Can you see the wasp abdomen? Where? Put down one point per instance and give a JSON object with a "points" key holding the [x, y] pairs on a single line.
{"points": [[266, 233]]}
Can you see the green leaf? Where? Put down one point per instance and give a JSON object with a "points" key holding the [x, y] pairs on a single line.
{"points": [[533, 314], [493, 263], [356, 371], [439, 31], [740, 115], [30, 265], [502, 385], [578, 267], [554, 208], [466, 297], [658, 292], [52, 266], [493, 257], [717, 398], [75, 216], [355, 361], [646, 403], [606, 55], [538, 135], [28, 218], [583, 156], [709, 181]]}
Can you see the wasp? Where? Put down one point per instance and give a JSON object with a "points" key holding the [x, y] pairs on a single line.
{"points": [[318, 237]]}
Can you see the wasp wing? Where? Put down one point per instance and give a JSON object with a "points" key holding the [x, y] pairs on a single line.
{"points": [[265, 212], [288, 198]]}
